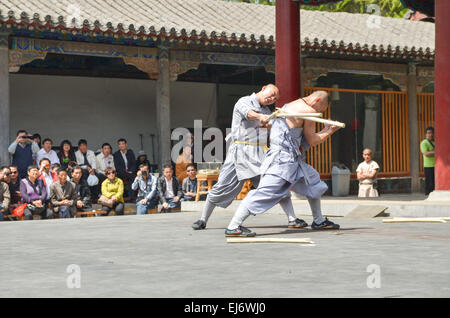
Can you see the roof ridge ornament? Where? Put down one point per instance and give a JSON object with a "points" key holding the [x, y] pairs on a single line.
{"points": [[48, 20], [24, 17], [61, 21], [11, 15]]}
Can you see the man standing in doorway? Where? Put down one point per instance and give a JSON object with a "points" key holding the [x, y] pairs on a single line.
{"points": [[427, 149]]}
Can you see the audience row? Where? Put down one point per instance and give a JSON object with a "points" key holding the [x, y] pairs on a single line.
{"points": [[69, 181], [46, 192]]}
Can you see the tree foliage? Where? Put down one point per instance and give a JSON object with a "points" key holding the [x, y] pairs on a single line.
{"points": [[387, 8]]}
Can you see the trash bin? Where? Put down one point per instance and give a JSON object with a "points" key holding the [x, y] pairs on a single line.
{"points": [[340, 181]]}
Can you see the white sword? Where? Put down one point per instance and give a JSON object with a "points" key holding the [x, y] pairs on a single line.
{"points": [[286, 115], [307, 116], [325, 121]]}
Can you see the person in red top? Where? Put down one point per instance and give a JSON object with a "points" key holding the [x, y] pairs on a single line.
{"points": [[46, 175]]}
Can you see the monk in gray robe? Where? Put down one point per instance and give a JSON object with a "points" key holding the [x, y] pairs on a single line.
{"points": [[245, 155], [284, 167]]}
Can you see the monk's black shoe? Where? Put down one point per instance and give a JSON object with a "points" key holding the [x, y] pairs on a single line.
{"points": [[199, 225], [239, 232], [297, 224], [325, 225]]}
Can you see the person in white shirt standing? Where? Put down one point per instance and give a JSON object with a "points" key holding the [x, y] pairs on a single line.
{"points": [[366, 174], [47, 152]]}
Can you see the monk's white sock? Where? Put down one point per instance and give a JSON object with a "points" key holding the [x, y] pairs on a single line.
{"points": [[316, 211], [288, 208], [207, 211], [239, 217]]}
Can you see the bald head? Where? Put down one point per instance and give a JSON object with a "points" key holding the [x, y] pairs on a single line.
{"points": [[323, 95], [271, 86], [268, 95], [318, 100]]}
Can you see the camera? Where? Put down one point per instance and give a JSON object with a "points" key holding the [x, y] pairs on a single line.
{"points": [[144, 173]]}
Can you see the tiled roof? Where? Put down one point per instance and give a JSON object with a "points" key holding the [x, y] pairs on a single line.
{"points": [[224, 22]]}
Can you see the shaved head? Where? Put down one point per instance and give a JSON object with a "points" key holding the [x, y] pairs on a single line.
{"points": [[268, 95], [323, 95], [318, 100]]}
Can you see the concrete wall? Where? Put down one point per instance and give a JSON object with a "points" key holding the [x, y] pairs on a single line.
{"points": [[103, 109]]}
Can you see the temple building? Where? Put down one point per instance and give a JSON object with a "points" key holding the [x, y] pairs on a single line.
{"points": [[101, 70]]}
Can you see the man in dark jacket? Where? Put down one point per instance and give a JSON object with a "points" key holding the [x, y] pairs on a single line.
{"points": [[82, 190], [125, 164], [124, 161], [14, 185], [5, 197], [169, 190]]}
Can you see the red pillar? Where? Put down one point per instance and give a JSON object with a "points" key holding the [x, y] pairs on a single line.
{"points": [[442, 96], [287, 52]]}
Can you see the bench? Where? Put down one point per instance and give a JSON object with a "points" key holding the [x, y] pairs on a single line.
{"points": [[19, 218], [90, 214]]}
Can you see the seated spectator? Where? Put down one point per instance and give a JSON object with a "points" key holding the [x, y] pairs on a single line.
{"points": [[189, 186], [66, 154], [147, 197], [34, 192], [46, 175], [82, 190], [63, 196], [169, 190], [70, 167], [183, 160], [5, 174], [22, 151], [125, 164], [47, 152], [54, 171], [14, 185], [85, 158], [112, 189], [55, 168], [366, 174], [142, 159], [104, 160], [87, 161], [5, 196]]}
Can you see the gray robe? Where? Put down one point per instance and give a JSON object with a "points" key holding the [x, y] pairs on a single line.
{"points": [[243, 161], [247, 158], [284, 169]]}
